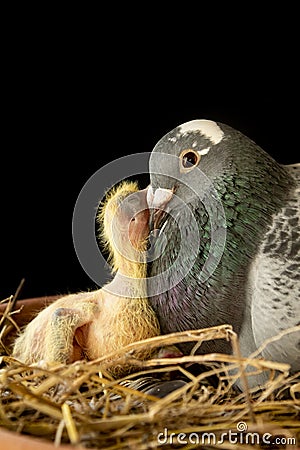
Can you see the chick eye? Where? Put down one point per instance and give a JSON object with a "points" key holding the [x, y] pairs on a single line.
{"points": [[189, 159]]}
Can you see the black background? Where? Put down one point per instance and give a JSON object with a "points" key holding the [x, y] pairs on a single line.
{"points": [[69, 112]]}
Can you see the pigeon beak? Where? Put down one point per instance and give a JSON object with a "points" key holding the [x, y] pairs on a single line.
{"points": [[157, 202]]}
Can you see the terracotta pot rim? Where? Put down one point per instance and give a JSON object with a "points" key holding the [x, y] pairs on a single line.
{"points": [[11, 440]]}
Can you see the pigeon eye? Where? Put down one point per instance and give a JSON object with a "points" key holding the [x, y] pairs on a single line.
{"points": [[189, 159]]}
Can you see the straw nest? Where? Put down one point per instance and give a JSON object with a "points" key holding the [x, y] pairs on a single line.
{"points": [[80, 404]]}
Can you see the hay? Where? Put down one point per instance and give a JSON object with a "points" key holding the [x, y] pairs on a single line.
{"points": [[82, 405]]}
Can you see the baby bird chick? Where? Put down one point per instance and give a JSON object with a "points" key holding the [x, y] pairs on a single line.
{"points": [[89, 325]]}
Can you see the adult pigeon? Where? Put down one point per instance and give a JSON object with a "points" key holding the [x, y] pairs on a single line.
{"points": [[227, 246]]}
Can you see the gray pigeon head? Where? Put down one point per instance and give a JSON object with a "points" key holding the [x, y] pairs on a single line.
{"points": [[214, 148], [205, 159]]}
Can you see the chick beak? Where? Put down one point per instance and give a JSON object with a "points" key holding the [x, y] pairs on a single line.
{"points": [[157, 202]]}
